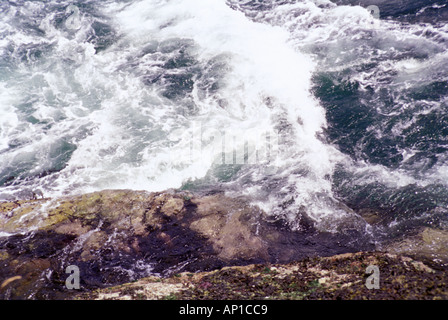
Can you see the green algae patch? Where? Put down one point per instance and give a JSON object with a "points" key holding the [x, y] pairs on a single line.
{"points": [[4, 255], [20, 216], [6, 207]]}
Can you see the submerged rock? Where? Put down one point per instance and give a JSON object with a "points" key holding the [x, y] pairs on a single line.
{"points": [[117, 236], [427, 244]]}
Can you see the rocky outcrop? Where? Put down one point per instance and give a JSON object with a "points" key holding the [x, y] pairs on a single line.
{"points": [[331, 278], [117, 236], [136, 244], [427, 244]]}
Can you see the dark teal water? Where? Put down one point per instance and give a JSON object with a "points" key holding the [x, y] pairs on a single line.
{"points": [[381, 117]]}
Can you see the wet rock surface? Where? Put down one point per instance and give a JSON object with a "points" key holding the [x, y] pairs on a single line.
{"points": [[340, 277], [426, 244], [117, 236]]}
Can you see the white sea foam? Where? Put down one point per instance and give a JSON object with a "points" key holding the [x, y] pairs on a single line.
{"points": [[262, 64]]}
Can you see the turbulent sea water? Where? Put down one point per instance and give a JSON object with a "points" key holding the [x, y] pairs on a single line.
{"points": [[309, 108]]}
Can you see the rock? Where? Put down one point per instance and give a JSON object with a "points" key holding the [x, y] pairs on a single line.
{"points": [[371, 216], [118, 236], [19, 216], [427, 244], [172, 206], [178, 245], [229, 225], [338, 277]]}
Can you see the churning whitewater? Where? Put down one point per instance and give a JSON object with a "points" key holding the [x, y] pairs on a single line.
{"points": [[308, 108]]}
